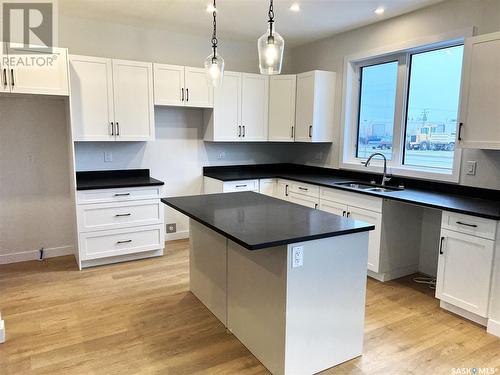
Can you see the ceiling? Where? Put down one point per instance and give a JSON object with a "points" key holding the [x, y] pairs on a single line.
{"points": [[243, 19]]}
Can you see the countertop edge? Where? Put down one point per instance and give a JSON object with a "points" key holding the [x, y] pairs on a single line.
{"points": [[118, 186]]}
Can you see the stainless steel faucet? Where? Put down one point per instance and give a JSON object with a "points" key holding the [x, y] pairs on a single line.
{"points": [[385, 177]]}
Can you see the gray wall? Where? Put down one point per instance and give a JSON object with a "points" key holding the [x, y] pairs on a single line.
{"points": [[328, 54]]}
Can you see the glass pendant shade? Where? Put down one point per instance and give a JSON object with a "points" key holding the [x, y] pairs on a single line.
{"points": [[214, 68], [270, 49]]}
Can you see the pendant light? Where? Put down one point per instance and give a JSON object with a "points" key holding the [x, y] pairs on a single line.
{"points": [[214, 63], [270, 47]]}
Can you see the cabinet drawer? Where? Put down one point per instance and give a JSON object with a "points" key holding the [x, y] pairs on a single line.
{"points": [[303, 200], [304, 189], [246, 185], [103, 244], [118, 195], [119, 215], [473, 225], [352, 199]]}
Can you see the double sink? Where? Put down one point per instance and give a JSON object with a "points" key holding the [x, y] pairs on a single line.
{"points": [[369, 187]]}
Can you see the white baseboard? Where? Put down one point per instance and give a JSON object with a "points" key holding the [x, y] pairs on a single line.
{"points": [[463, 313], [493, 327], [34, 255], [121, 258], [394, 274], [177, 235]]}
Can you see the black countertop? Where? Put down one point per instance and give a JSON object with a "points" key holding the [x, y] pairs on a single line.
{"points": [[113, 179], [256, 221], [450, 197]]}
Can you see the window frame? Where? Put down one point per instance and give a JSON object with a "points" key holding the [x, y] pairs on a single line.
{"points": [[351, 100]]}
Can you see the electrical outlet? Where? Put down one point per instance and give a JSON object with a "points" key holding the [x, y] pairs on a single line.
{"points": [[221, 155], [171, 228], [471, 167], [297, 256], [108, 156]]}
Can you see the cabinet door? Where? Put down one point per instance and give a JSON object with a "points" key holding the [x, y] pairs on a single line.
{"points": [[254, 107], [198, 92], [169, 85], [282, 108], [479, 109], [266, 186], [464, 271], [92, 113], [281, 190], [133, 94], [303, 200], [49, 77], [227, 108], [333, 207], [374, 218], [305, 107]]}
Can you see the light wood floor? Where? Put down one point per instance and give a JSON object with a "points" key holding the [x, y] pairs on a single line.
{"points": [[139, 317]]}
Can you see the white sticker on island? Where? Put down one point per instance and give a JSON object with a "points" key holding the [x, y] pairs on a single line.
{"points": [[297, 256]]}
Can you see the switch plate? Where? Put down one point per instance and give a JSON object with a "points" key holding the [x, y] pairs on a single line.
{"points": [[171, 228], [108, 156], [297, 256], [471, 167]]}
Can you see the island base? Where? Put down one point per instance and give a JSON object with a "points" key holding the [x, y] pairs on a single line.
{"points": [[295, 320]]}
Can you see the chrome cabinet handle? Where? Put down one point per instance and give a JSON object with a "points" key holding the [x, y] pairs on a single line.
{"points": [[310, 131], [286, 190], [182, 94], [239, 131], [12, 77], [460, 131], [112, 126], [121, 194], [303, 188], [120, 215], [441, 246], [241, 186], [244, 131], [124, 241], [187, 95], [117, 128], [467, 225], [291, 136]]}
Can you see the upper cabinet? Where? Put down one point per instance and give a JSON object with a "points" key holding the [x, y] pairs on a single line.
{"points": [[111, 99], [282, 107], [315, 106], [240, 109], [479, 125], [48, 75], [181, 86]]}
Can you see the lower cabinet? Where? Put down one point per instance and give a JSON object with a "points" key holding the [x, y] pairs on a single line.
{"points": [[303, 200], [119, 222], [465, 264], [213, 186], [267, 186]]}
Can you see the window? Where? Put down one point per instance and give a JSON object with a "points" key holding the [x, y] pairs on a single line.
{"points": [[404, 105], [376, 109], [431, 115]]}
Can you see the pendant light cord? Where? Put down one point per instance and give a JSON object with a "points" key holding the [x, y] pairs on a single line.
{"points": [[271, 17], [214, 35]]}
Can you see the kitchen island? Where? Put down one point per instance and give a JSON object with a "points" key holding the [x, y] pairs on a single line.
{"points": [[288, 281]]}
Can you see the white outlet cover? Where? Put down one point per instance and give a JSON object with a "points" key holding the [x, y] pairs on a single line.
{"points": [[471, 167], [108, 156], [297, 256]]}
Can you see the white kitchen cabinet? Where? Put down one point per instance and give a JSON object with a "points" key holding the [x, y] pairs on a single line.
{"points": [[48, 77], [177, 85], [303, 200], [282, 189], [4, 72], [240, 109], [122, 222], [133, 98], [335, 208], [315, 106], [479, 125], [267, 186], [282, 90], [213, 186], [254, 107], [111, 99], [465, 264]]}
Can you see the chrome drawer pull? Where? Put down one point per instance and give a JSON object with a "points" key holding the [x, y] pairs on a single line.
{"points": [[303, 188], [121, 194], [241, 186], [119, 215], [467, 225], [125, 241]]}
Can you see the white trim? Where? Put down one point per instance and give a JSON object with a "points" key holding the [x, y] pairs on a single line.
{"points": [[34, 255], [121, 258], [463, 313], [177, 235], [493, 327], [350, 95]]}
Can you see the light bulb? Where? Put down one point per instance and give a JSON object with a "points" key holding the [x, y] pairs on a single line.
{"points": [[214, 68], [271, 54]]}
